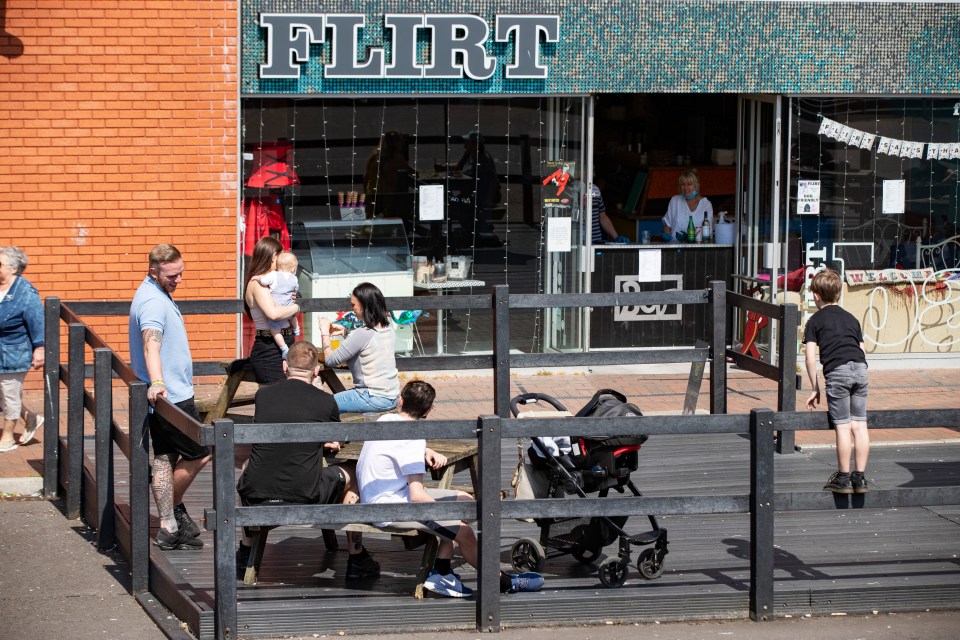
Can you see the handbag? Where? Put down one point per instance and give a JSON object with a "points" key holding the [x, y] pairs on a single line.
{"points": [[528, 482]]}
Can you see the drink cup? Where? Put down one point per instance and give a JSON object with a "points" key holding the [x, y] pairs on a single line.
{"points": [[646, 237], [334, 342]]}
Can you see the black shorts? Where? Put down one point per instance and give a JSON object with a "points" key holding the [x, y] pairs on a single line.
{"points": [[167, 439], [266, 361], [330, 490]]}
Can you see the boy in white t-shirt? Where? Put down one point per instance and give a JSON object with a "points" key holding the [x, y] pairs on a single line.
{"points": [[392, 471], [284, 287]]}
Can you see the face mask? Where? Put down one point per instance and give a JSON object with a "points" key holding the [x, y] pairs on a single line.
{"points": [[692, 195]]}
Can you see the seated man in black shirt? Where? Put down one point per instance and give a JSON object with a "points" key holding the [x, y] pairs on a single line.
{"points": [[294, 472]]}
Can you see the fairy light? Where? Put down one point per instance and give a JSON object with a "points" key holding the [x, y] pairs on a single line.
{"points": [[542, 233]]}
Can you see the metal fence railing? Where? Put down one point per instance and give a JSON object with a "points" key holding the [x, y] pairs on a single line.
{"points": [[224, 516]]}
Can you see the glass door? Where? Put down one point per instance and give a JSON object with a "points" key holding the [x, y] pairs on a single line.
{"points": [[760, 252]]}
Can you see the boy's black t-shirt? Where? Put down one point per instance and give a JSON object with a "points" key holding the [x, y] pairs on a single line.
{"points": [[838, 335], [293, 471]]}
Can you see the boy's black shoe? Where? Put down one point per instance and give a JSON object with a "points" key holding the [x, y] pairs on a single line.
{"points": [[839, 483], [185, 522], [859, 482], [362, 565], [181, 540]]}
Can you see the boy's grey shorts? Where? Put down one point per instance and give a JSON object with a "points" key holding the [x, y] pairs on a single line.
{"points": [[447, 529], [847, 393]]}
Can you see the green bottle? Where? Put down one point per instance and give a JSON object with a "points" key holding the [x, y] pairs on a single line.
{"points": [[691, 231]]}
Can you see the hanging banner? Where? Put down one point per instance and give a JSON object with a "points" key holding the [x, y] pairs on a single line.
{"points": [[887, 146]]}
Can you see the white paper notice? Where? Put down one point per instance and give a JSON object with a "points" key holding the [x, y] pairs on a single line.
{"points": [[893, 196], [808, 197], [431, 202], [559, 234], [649, 269]]}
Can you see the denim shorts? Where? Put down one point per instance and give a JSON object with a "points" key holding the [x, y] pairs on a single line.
{"points": [[362, 401], [847, 393]]}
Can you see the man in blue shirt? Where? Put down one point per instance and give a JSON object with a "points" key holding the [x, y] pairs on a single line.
{"points": [[160, 356]]}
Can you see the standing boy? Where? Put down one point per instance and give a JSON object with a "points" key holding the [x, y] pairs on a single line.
{"points": [[840, 339], [392, 471]]}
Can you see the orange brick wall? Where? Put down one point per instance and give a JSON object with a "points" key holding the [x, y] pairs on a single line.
{"points": [[118, 130]]}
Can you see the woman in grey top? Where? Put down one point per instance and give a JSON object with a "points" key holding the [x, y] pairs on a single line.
{"points": [[368, 352]]}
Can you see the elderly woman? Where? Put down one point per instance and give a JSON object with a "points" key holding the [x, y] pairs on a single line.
{"points": [[685, 205], [21, 341], [369, 351], [265, 356]]}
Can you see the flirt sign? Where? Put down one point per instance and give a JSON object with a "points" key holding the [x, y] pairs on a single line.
{"points": [[457, 45]]}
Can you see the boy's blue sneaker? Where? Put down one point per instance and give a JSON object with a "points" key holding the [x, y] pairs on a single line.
{"points": [[448, 585], [525, 582]]}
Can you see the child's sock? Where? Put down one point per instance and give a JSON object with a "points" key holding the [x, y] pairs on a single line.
{"points": [[442, 566]]}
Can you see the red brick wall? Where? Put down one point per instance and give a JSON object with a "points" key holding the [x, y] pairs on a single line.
{"points": [[118, 130]]}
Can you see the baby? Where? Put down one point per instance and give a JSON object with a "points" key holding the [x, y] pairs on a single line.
{"points": [[284, 287]]}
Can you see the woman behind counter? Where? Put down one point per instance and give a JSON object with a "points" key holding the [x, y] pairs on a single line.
{"points": [[21, 341], [688, 203], [265, 357], [368, 352]]}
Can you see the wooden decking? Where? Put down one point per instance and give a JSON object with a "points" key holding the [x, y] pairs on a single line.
{"points": [[837, 561]]}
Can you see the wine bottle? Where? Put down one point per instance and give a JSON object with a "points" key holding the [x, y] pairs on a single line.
{"points": [[707, 231]]}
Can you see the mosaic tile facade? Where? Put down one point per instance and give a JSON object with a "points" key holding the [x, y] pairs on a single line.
{"points": [[632, 46]]}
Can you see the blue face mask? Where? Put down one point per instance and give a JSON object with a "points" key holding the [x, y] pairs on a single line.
{"points": [[692, 195]]}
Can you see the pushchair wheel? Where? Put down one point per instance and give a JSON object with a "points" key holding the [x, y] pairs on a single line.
{"points": [[613, 572], [584, 555], [649, 565], [527, 555]]}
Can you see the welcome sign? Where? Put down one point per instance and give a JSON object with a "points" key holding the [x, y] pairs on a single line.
{"points": [[457, 45]]}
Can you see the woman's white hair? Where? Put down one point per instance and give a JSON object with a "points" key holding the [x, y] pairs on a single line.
{"points": [[16, 258]]}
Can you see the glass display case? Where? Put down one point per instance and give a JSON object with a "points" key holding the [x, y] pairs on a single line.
{"points": [[337, 255]]}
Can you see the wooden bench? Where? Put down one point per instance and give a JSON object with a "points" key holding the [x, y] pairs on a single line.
{"points": [[461, 455]]}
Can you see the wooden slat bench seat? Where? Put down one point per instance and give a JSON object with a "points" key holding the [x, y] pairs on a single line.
{"points": [[259, 535]]}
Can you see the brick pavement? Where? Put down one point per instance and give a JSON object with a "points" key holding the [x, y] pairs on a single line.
{"points": [[464, 394]]}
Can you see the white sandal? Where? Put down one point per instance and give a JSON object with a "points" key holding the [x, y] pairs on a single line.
{"points": [[8, 447], [29, 432]]}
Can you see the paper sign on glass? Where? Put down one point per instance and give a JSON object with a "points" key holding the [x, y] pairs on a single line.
{"points": [[808, 197], [868, 139], [431, 202], [844, 135], [933, 151], [884, 146], [856, 137], [649, 265], [825, 125], [894, 192], [559, 234]]}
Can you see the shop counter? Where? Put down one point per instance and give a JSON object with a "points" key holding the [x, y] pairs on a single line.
{"points": [[616, 268]]}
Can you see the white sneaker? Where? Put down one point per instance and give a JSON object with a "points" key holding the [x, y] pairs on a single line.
{"points": [[448, 585]]}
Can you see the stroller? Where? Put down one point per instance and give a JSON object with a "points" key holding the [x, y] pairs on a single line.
{"points": [[600, 465]]}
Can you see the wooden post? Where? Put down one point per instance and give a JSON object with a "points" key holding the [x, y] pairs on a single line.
{"points": [[718, 346], [501, 350], [139, 489], [103, 393], [488, 518], [761, 514], [225, 534], [75, 414], [787, 384], [51, 398]]}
